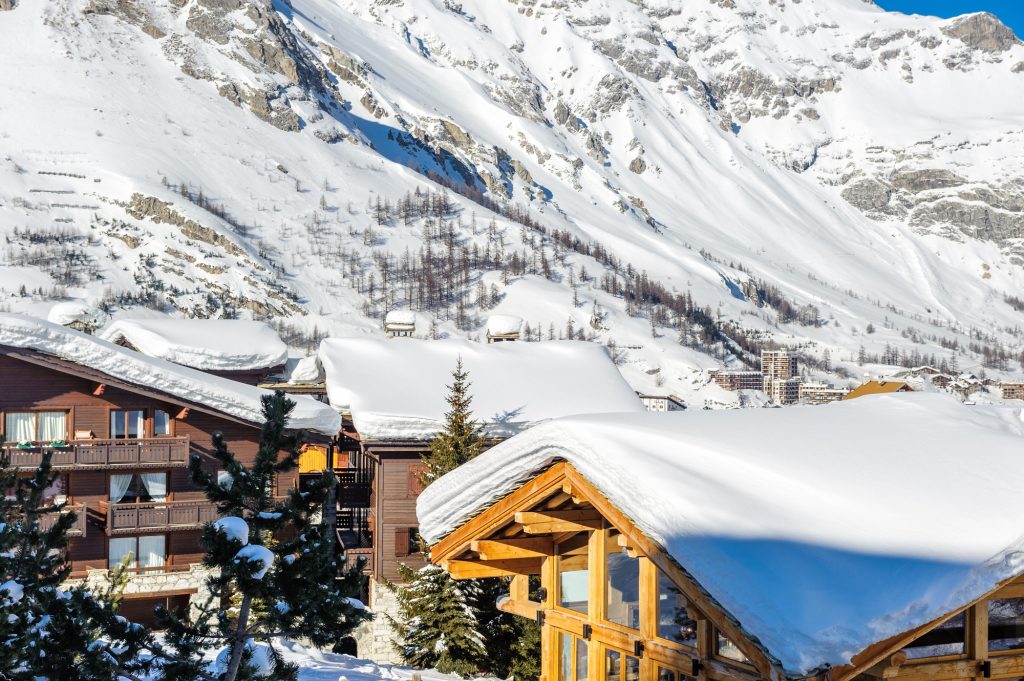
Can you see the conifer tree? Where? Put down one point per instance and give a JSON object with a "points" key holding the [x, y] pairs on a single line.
{"points": [[296, 577], [46, 630], [442, 622]]}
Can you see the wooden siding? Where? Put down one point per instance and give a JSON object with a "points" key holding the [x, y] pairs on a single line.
{"points": [[395, 492]]}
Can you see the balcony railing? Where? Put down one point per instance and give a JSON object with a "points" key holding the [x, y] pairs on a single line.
{"points": [[164, 452], [48, 520], [353, 556], [157, 515]]}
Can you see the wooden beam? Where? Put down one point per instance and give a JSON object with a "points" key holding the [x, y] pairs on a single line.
{"points": [[99, 388], [527, 609], [183, 414], [503, 549], [471, 569], [553, 522]]}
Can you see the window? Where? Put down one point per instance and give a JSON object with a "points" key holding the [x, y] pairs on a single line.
{"points": [[161, 423], [127, 424], [582, 655], [946, 639], [147, 552], [666, 674], [414, 485], [622, 595], [565, 657], [620, 667], [36, 426], [407, 541], [130, 488], [727, 649], [674, 622], [1005, 624], [573, 575]]}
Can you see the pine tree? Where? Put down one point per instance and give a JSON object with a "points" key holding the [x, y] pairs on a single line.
{"points": [[46, 630], [460, 440], [296, 576]]}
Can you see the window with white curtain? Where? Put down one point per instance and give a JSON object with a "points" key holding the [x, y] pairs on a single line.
{"points": [[119, 548], [161, 423], [127, 424], [152, 551], [35, 426], [131, 488]]}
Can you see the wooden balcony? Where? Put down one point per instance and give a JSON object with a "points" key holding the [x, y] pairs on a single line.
{"points": [[166, 516], [77, 530], [353, 556], [158, 452]]}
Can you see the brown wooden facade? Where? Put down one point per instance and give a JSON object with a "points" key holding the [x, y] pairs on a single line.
{"points": [[615, 607], [91, 452]]}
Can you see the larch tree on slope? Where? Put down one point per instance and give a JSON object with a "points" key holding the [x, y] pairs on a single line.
{"points": [[455, 626], [289, 586], [46, 630]]}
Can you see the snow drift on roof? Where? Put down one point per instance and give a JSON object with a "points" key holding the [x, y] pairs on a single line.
{"points": [[400, 318], [822, 529], [395, 389], [221, 394], [503, 324], [207, 344]]}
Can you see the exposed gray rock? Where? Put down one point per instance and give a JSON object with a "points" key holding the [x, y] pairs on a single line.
{"points": [[916, 181], [6, 5], [870, 196], [638, 165], [982, 31]]}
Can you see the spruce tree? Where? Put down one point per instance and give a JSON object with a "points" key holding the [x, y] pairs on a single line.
{"points": [[47, 631], [441, 622], [289, 586]]}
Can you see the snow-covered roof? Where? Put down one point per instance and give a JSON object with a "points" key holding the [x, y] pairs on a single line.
{"points": [[208, 344], [400, 318], [73, 311], [221, 394], [395, 389], [503, 324], [822, 529]]}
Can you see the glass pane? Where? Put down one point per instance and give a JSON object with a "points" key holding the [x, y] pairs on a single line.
{"points": [[136, 424], [119, 548], [612, 665], [581, 660], [117, 423], [666, 674], [53, 426], [623, 592], [1006, 624], [674, 623], [946, 639], [632, 668], [161, 423], [729, 651], [573, 576], [564, 657], [20, 427], [154, 487], [151, 551]]}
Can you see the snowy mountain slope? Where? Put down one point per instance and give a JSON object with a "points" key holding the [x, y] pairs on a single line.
{"points": [[211, 157]]}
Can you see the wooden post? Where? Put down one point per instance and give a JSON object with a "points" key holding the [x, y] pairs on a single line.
{"points": [[648, 615], [331, 504], [596, 608], [977, 635]]}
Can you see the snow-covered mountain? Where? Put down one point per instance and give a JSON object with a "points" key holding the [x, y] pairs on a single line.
{"points": [[695, 178]]}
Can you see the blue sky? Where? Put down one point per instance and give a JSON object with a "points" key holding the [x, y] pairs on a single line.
{"points": [[1010, 12]]}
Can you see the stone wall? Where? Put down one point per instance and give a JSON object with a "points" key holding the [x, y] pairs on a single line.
{"points": [[374, 638], [156, 583]]}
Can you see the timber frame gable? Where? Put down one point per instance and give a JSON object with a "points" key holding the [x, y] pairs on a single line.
{"points": [[519, 536]]}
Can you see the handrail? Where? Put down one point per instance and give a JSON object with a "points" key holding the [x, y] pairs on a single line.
{"points": [[48, 520], [104, 453], [169, 515]]}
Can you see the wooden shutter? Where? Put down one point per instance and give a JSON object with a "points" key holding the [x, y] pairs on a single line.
{"points": [[401, 542], [414, 487]]}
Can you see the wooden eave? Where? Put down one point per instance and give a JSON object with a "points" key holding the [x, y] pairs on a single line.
{"points": [[559, 486]]}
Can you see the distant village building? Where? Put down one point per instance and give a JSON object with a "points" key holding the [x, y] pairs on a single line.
{"points": [[644, 576], [820, 393], [392, 399], [662, 402], [503, 327], [738, 380], [783, 390], [399, 323], [879, 387], [778, 364], [1013, 391]]}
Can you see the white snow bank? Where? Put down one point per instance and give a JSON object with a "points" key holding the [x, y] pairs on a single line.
{"points": [[221, 394], [207, 344], [503, 324], [75, 311], [396, 389], [262, 659], [233, 528], [304, 370], [254, 553], [822, 529]]}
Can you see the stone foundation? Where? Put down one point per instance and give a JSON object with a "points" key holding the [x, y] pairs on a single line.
{"points": [[154, 584], [374, 639]]}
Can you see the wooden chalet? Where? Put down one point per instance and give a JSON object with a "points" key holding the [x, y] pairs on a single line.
{"points": [[628, 591], [121, 429], [879, 387]]}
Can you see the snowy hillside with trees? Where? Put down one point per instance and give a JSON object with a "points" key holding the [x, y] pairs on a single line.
{"points": [[682, 183]]}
